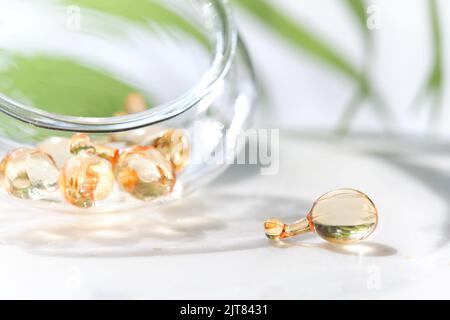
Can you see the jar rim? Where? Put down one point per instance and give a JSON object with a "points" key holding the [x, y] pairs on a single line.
{"points": [[223, 54]]}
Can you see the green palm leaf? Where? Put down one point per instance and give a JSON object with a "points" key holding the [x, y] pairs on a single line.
{"points": [[300, 36], [305, 40], [434, 83], [63, 86]]}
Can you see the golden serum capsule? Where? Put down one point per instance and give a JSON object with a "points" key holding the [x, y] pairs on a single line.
{"points": [[86, 179], [341, 216], [145, 173], [30, 174], [174, 144]]}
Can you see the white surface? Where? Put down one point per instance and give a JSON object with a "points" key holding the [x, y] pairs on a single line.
{"points": [[212, 245]]}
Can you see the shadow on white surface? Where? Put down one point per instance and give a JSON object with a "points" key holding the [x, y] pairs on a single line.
{"points": [[226, 216], [436, 179], [210, 221]]}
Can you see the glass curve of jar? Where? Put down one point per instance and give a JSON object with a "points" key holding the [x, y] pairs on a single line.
{"points": [[68, 66]]}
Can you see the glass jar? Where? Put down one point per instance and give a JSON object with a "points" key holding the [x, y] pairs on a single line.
{"points": [[69, 66]]}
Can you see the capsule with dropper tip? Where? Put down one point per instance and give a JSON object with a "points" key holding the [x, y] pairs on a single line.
{"points": [[342, 216]]}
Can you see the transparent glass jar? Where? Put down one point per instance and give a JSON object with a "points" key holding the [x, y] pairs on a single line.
{"points": [[67, 66]]}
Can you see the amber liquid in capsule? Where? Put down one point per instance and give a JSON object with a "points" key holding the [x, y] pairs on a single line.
{"points": [[340, 216], [2, 168], [344, 215], [145, 173], [57, 148], [174, 144], [29, 174], [86, 179]]}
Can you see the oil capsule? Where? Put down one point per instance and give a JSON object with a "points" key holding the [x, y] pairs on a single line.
{"points": [[108, 153], [30, 174], [342, 216], [86, 179], [57, 148], [135, 103], [81, 143], [2, 168], [174, 144], [145, 173]]}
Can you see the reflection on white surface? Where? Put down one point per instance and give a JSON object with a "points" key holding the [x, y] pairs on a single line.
{"points": [[217, 236], [363, 249]]}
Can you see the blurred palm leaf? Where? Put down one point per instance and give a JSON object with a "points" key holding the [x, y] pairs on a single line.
{"points": [[300, 36], [305, 40], [67, 87], [434, 83], [358, 9], [143, 12], [63, 86]]}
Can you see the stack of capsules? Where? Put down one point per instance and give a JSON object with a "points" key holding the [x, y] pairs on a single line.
{"points": [[84, 171]]}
